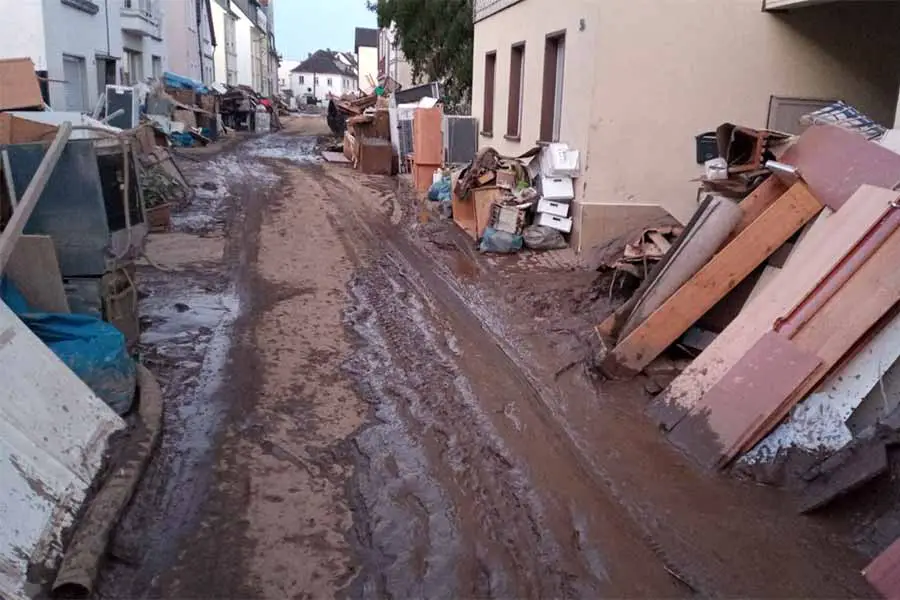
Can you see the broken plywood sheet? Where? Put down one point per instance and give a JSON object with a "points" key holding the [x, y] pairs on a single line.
{"points": [[18, 84], [826, 243], [34, 270], [53, 435], [835, 162], [719, 276], [819, 422], [745, 396]]}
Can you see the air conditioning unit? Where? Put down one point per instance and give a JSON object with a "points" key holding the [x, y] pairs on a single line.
{"points": [[124, 98], [460, 139]]}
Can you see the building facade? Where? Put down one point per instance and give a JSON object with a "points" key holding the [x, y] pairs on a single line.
{"points": [[366, 50], [190, 39], [631, 83], [391, 62], [225, 53], [80, 48], [323, 74]]}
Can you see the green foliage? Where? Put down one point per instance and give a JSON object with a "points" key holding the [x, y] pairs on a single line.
{"points": [[436, 36]]}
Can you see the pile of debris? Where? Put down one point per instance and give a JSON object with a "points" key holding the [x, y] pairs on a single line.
{"points": [[510, 203], [69, 320], [786, 300]]}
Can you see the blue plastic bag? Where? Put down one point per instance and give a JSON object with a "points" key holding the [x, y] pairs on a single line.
{"points": [[95, 350], [500, 242], [440, 190]]}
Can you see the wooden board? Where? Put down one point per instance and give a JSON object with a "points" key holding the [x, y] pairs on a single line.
{"points": [[744, 397], [847, 316], [464, 212], [757, 202], [34, 269], [835, 162], [483, 198], [428, 138], [335, 157], [826, 243], [18, 84], [719, 276], [864, 464], [884, 572]]}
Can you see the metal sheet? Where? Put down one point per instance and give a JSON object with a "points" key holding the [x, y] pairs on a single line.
{"points": [[71, 209], [53, 434]]}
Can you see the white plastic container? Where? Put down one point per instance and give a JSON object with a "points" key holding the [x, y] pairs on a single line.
{"points": [[553, 207], [554, 222], [558, 160], [557, 188]]}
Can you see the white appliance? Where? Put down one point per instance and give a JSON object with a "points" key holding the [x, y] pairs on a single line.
{"points": [[553, 207]]}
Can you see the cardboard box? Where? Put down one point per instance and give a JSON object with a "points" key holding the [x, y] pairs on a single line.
{"points": [[16, 130], [19, 86], [185, 116]]}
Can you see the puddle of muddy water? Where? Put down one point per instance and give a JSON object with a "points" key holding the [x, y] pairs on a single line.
{"points": [[285, 147]]}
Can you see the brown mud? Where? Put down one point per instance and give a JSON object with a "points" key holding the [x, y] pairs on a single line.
{"points": [[358, 404]]}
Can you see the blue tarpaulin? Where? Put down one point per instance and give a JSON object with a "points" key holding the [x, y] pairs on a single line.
{"points": [[185, 83], [95, 350]]}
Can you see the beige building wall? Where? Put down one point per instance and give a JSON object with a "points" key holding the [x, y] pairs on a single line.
{"points": [[668, 70], [530, 22], [644, 77]]}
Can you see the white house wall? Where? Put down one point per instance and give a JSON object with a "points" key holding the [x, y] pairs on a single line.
{"points": [[80, 34], [53, 435], [148, 47], [182, 38], [219, 16], [244, 42], [368, 65]]}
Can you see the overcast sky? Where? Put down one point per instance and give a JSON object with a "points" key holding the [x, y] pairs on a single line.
{"points": [[304, 26]]}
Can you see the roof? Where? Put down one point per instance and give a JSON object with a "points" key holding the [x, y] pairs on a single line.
{"points": [[325, 62], [367, 38]]}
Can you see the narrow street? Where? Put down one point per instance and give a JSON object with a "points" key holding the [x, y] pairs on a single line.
{"points": [[360, 405]]}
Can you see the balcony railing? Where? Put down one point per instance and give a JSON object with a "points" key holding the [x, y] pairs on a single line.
{"points": [[139, 16], [485, 8]]}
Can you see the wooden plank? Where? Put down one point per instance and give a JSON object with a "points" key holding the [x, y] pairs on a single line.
{"points": [[428, 141], [872, 291], [8, 176], [757, 202], [835, 162], [826, 243], [16, 224], [744, 397], [34, 269], [863, 464], [884, 572], [483, 198], [719, 276]]}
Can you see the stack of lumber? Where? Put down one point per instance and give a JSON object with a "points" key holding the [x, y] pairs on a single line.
{"points": [[827, 303]]}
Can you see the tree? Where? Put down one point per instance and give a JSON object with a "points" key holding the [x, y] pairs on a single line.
{"points": [[436, 37]]}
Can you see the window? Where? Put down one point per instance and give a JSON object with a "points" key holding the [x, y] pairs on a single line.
{"points": [[315, 80], [490, 69], [301, 79], [132, 68], [156, 62], [516, 84], [328, 81], [554, 73], [75, 74]]}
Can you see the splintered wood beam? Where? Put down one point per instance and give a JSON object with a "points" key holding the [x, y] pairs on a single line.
{"points": [[709, 285]]}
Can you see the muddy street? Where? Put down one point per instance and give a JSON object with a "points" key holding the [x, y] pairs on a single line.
{"points": [[359, 405]]}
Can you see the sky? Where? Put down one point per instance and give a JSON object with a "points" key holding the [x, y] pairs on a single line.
{"points": [[304, 26]]}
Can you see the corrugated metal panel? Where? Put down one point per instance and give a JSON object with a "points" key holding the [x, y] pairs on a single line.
{"points": [[53, 434], [486, 8]]}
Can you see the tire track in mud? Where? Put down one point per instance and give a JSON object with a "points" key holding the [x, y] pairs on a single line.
{"points": [[464, 488]]}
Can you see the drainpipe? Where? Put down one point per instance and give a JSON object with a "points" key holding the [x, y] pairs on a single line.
{"points": [[199, 38]]}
